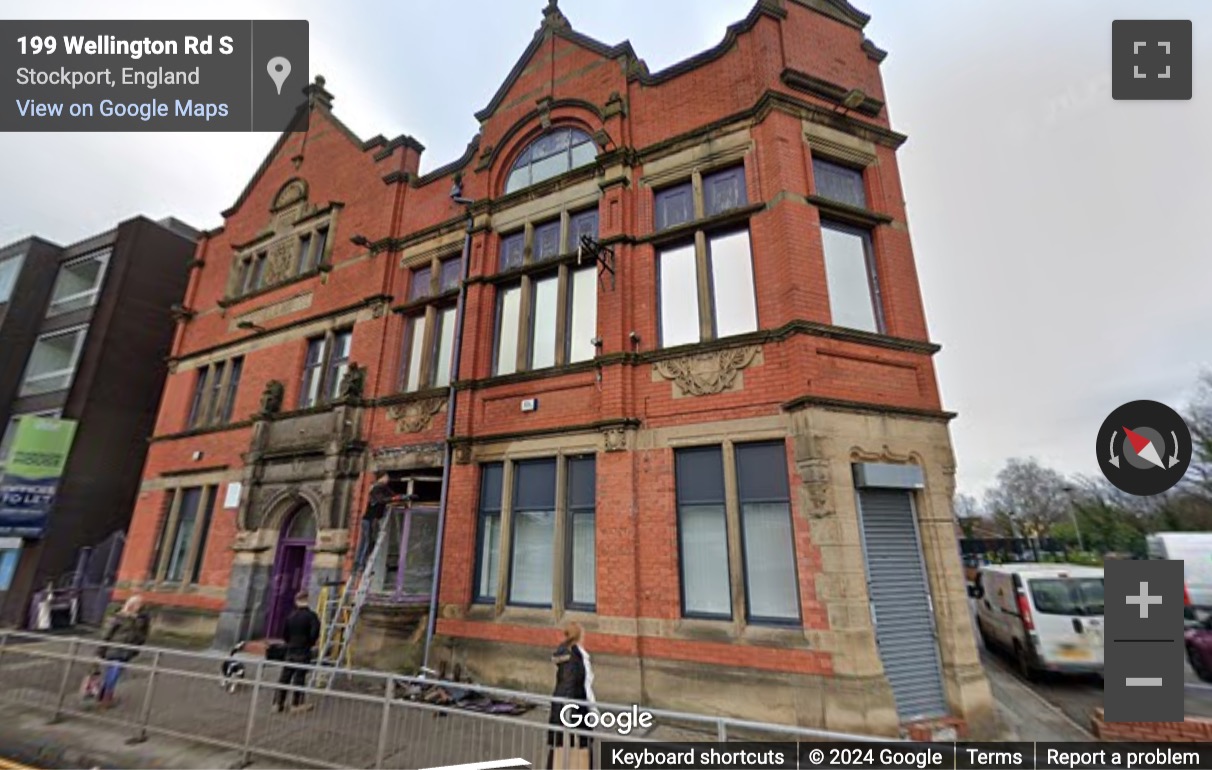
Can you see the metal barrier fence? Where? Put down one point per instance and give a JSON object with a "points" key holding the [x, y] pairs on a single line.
{"points": [[367, 719]]}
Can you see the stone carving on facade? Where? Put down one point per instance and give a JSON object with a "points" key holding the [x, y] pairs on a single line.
{"points": [[614, 439], [705, 374], [462, 454], [271, 397], [280, 262], [884, 455], [415, 416], [410, 456], [353, 384]]}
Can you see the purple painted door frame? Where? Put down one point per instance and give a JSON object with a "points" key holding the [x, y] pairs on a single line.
{"points": [[292, 569]]}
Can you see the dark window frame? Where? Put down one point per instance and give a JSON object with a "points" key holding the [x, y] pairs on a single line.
{"points": [[533, 270], [838, 168], [429, 302], [555, 463], [698, 232], [733, 513], [751, 618], [677, 503], [195, 547], [484, 512], [874, 292], [327, 390], [215, 389], [571, 511], [524, 162]]}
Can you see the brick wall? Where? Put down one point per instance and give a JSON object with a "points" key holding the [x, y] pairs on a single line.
{"points": [[636, 522], [1193, 729]]}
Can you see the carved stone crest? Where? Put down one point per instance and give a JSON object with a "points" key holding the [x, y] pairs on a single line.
{"points": [[614, 439], [462, 454], [705, 374], [271, 397], [415, 416], [279, 261]]}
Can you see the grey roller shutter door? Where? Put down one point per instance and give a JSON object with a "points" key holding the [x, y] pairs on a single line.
{"points": [[900, 597]]}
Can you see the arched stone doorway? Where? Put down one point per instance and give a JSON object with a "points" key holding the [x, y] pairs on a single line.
{"points": [[291, 567]]}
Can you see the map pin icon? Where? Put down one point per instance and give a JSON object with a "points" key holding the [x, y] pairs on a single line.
{"points": [[279, 70]]}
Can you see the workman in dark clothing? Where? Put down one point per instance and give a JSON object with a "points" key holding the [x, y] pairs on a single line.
{"points": [[376, 508], [301, 634]]}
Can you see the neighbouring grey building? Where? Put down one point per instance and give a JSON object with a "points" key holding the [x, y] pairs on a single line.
{"points": [[84, 332]]}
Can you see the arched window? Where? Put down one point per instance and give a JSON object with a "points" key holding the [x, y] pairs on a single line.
{"points": [[552, 154], [302, 524]]}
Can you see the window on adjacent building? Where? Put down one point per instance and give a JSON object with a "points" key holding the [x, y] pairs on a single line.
{"points": [[78, 283], [854, 295], [839, 183], [324, 366], [52, 362], [488, 533], [548, 316], [10, 268], [536, 560], [429, 328], [10, 431], [215, 393], [762, 509], [706, 280], [183, 537], [556, 152]]}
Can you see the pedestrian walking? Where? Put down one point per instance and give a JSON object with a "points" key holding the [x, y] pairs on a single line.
{"points": [[376, 508], [128, 627], [302, 633], [574, 680]]}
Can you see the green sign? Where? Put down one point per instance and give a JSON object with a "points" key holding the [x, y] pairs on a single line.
{"points": [[35, 462]]}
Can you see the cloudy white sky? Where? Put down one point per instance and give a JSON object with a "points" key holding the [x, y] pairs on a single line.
{"points": [[1060, 235]]}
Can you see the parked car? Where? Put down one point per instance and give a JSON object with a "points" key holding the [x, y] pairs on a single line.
{"points": [[1194, 549], [1049, 617], [1198, 639]]}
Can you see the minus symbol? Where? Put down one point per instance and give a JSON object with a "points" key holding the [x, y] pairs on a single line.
{"points": [[1143, 681]]}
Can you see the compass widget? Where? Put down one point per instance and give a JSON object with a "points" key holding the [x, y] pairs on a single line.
{"points": [[1144, 448]]}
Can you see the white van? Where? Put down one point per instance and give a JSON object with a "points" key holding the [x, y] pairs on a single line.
{"points": [[1048, 616], [1194, 549]]}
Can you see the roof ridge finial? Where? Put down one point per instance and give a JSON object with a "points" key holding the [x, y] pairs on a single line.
{"points": [[554, 17]]}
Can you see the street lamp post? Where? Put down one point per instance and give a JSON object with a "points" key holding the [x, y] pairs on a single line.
{"points": [[1072, 493]]}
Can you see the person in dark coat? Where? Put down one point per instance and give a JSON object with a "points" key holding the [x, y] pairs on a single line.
{"points": [[574, 680], [376, 508], [129, 626], [301, 634]]}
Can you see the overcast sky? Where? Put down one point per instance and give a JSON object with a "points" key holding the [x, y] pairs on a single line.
{"points": [[1060, 235]]}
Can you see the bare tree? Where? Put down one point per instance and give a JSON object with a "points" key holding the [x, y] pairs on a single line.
{"points": [[1199, 420], [967, 513], [1029, 494]]}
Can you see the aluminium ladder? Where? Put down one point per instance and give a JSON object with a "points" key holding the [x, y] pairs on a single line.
{"points": [[341, 616]]}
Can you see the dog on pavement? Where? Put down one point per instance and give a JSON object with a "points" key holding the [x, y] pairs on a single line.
{"points": [[232, 670]]}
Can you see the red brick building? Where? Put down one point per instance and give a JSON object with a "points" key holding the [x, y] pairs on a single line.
{"points": [[725, 455]]}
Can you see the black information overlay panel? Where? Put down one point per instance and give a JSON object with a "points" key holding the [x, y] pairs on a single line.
{"points": [[153, 75], [616, 754]]}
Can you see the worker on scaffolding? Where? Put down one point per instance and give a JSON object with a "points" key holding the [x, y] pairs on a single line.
{"points": [[381, 494]]}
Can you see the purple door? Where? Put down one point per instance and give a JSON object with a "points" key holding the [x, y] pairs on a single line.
{"points": [[292, 565]]}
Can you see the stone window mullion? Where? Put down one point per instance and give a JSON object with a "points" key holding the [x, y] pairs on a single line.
{"points": [[559, 561], [732, 513], [525, 319], [505, 544], [428, 339], [169, 535], [563, 310], [703, 285]]}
